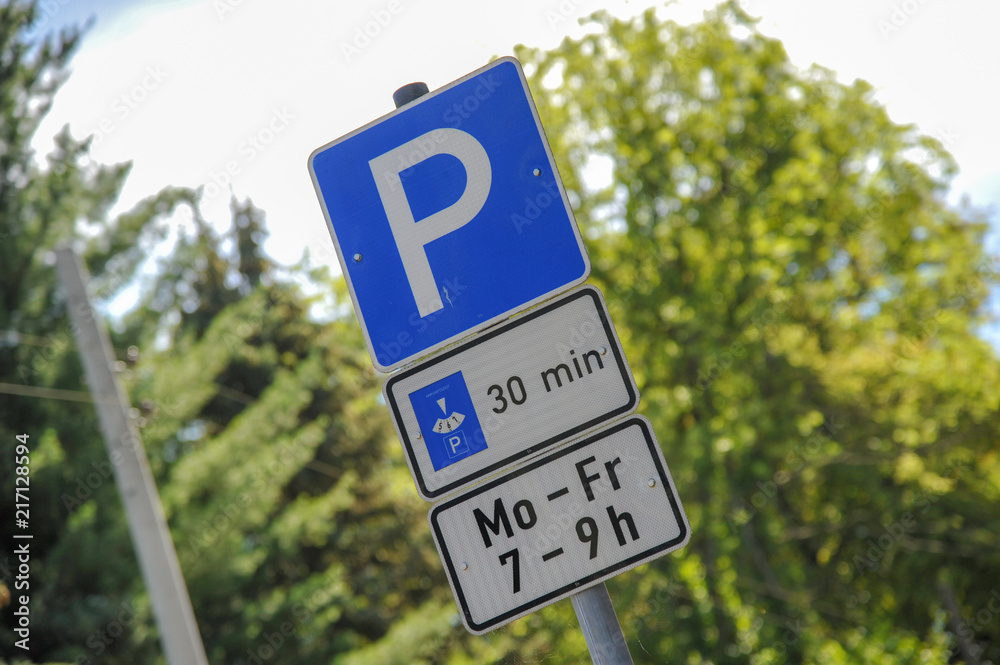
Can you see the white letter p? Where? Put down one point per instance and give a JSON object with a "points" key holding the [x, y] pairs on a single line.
{"points": [[411, 237]]}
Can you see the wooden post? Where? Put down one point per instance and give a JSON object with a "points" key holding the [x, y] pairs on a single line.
{"points": [[150, 536]]}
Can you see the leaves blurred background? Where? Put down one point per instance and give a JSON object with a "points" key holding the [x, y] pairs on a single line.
{"points": [[797, 297]]}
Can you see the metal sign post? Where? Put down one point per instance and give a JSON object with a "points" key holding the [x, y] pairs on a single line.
{"points": [[600, 626]]}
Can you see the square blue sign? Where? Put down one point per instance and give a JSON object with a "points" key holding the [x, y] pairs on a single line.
{"points": [[448, 422], [448, 215]]}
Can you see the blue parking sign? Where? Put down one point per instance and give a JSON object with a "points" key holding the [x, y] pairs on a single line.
{"points": [[448, 215]]}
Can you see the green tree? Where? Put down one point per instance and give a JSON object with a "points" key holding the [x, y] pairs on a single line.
{"points": [[45, 203], [795, 297], [798, 303], [296, 529], [271, 452]]}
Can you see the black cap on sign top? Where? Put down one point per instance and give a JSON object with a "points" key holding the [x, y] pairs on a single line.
{"points": [[409, 92]]}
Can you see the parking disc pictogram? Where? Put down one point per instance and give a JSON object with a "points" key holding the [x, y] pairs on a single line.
{"points": [[448, 422]]}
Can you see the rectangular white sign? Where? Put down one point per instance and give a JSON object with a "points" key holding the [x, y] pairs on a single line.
{"points": [[559, 524], [540, 379]]}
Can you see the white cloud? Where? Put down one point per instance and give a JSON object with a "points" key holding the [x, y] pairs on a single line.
{"points": [[225, 69]]}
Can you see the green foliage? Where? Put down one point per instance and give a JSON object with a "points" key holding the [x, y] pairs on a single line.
{"points": [[272, 455], [798, 303], [796, 300], [45, 203]]}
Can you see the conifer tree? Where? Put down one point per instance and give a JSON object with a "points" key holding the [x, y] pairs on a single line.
{"points": [[46, 202]]}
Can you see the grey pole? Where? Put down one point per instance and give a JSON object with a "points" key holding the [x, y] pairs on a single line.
{"points": [[154, 548], [593, 607], [600, 626]]}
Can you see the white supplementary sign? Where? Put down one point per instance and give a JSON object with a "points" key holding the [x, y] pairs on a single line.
{"points": [[531, 383], [559, 524], [448, 215]]}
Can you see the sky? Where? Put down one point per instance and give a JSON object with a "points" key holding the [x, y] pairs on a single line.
{"points": [[237, 93]]}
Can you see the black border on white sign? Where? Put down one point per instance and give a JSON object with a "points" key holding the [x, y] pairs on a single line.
{"points": [[615, 344], [594, 578]]}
